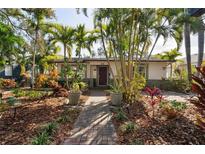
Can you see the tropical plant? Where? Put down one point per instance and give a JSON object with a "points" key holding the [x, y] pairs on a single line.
{"points": [[64, 35], [126, 37], [36, 24], [128, 127], [198, 86], [78, 86], [115, 89], [11, 101], [170, 55], [120, 115], [8, 83], [41, 80], [178, 105], [41, 139], [84, 39], [155, 97]]}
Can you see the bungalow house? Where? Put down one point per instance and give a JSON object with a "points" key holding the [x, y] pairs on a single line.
{"points": [[97, 72], [10, 72], [194, 60]]}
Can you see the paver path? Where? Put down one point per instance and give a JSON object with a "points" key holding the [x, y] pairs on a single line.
{"points": [[94, 125]]}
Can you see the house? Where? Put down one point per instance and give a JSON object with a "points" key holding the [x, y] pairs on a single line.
{"points": [[97, 72], [194, 61], [11, 72]]}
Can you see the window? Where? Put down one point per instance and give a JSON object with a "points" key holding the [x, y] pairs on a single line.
{"points": [[141, 70], [8, 70]]}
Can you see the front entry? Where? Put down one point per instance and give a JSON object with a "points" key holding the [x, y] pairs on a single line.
{"points": [[102, 75]]}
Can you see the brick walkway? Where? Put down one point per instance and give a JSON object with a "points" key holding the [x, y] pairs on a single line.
{"points": [[94, 125]]}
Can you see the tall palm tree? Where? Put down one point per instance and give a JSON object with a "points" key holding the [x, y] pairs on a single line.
{"points": [[35, 22], [187, 48], [64, 35], [84, 39]]}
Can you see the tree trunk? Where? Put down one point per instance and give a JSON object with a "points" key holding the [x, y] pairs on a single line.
{"points": [[187, 49], [65, 67], [171, 70], [200, 46], [34, 59]]}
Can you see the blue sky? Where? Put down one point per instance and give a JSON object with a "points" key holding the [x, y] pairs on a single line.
{"points": [[69, 16]]}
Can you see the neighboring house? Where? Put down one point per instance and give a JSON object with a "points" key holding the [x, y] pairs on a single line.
{"points": [[194, 61], [97, 71], [11, 72]]}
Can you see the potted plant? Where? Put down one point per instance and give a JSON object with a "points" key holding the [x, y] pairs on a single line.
{"points": [[75, 92], [116, 95]]}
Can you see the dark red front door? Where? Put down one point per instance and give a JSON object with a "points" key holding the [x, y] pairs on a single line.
{"points": [[102, 70]]}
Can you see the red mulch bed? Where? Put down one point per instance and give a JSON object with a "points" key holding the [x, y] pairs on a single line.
{"points": [[30, 118], [180, 130]]}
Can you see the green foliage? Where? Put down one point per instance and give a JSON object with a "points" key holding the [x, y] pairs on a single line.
{"points": [[137, 142], [178, 105], [128, 127], [64, 119], [115, 89], [120, 115], [41, 139], [169, 55], [19, 92], [132, 94], [181, 86], [11, 101], [51, 128], [78, 86], [32, 94]]}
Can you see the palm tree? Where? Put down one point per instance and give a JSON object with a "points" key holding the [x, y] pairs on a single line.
{"points": [[36, 22], [64, 35], [170, 55], [84, 39]]}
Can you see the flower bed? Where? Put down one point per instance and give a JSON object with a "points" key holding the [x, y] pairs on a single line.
{"points": [[173, 123], [45, 121]]}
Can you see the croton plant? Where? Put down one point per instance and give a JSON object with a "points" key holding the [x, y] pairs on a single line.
{"points": [[155, 96], [198, 87]]}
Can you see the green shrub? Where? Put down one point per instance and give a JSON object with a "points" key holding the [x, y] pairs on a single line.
{"points": [[120, 115], [44, 136], [178, 105], [11, 101], [34, 94], [128, 127], [51, 128], [179, 85], [31, 94], [41, 139], [19, 93], [137, 142], [64, 119]]}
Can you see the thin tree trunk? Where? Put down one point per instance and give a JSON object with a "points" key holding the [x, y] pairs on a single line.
{"points": [[171, 70], [65, 67], [200, 46], [187, 49], [34, 59], [102, 38]]}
